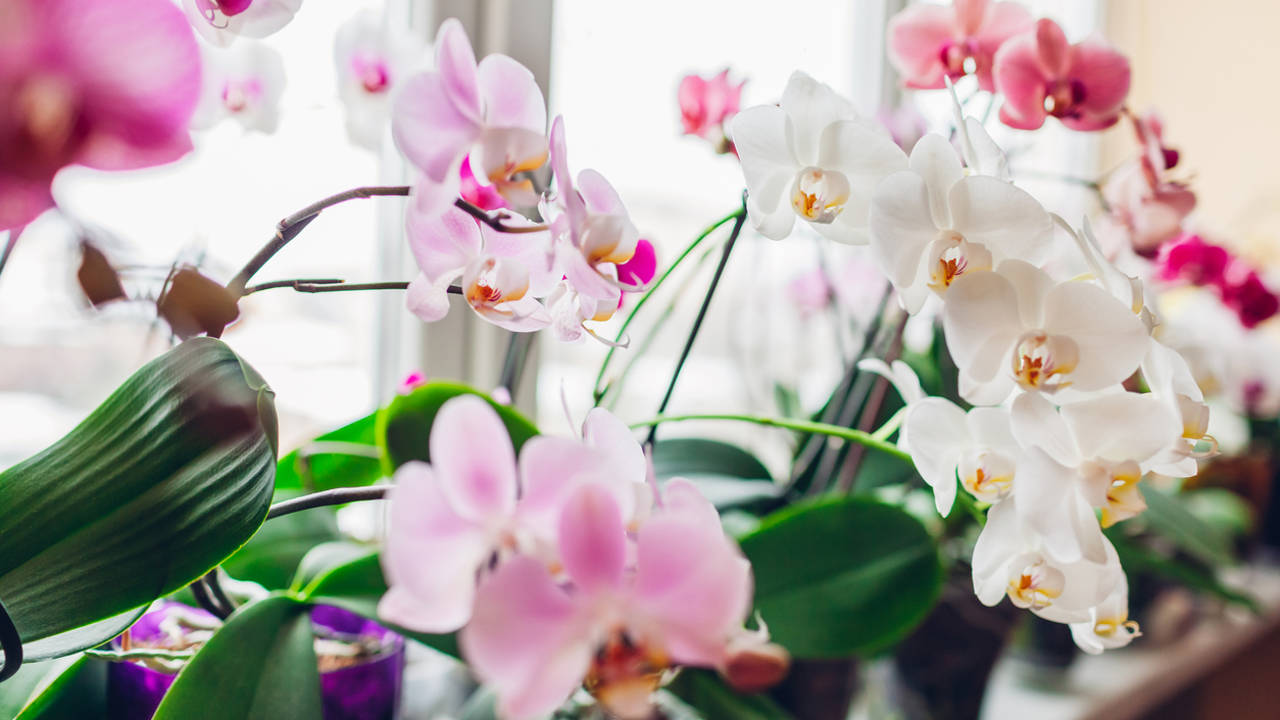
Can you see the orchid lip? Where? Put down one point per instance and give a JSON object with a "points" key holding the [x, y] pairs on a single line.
{"points": [[818, 195], [1042, 361]]}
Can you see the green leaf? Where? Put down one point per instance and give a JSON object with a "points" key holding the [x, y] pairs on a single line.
{"points": [[346, 457], [727, 475], [1138, 559], [357, 585], [323, 558], [71, 689], [82, 638], [28, 681], [272, 555], [163, 481], [690, 457], [1168, 516], [260, 664], [711, 698], [1224, 511], [404, 425], [842, 576]]}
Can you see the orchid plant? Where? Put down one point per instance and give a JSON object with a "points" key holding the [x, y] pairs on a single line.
{"points": [[602, 572]]}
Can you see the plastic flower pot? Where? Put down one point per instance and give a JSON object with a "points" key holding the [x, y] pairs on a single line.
{"points": [[351, 688]]}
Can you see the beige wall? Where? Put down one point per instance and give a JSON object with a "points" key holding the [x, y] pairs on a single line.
{"points": [[1212, 68]]}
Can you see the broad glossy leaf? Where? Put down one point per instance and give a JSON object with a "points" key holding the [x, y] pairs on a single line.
{"points": [[404, 425], [163, 481], [727, 475], [260, 664], [1167, 516], [82, 638], [17, 690], [842, 576], [346, 457], [72, 689], [357, 585], [704, 692]]}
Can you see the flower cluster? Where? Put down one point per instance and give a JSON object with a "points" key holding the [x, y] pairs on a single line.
{"points": [[479, 129], [1031, 63], [565, 566], [1054, 443], [1191, 260]]}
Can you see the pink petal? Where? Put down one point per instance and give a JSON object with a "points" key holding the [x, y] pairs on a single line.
{"points": [[511, 96], [642, 266], [472, 455], [457, 66], [592, 538], [550, 468], [442, 244], [428, 300], [430, 557], [693, 585], [432, 198], [1104, 72], [1052, 49], [429, 129], [484, 197], [22, 200], [692, 96], [566, 193], [1019, 77], [106, 151], [1004, 20], [523, 315], [969, 15], [917, 36], [525, 640], [136, 61], [583, 277], [616, 442]]}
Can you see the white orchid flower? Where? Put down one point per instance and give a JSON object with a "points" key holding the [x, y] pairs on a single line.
{"points": [[813, 157], [933, 223], [1109, 626], [372, 59], [1010, 559], [1096, 450], [1016, 327], [976, 446], [1170, 379]]}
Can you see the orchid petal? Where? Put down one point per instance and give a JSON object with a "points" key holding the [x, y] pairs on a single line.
{"points": [[592, 538], [939, 434], [1006, 220], [810, 106], [510, 94], [443, 244], [472, 456], [432, 133], [1112, 340], [935, 160], [901, 228]]}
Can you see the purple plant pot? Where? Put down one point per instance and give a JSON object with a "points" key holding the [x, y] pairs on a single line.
{"points": [[368, 691]]}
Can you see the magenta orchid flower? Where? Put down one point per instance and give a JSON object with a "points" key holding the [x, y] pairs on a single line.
{"points": [[706, 105], [372, 59], [502, 274], [493, 111], [592, 231], [928, 43], [640, 269], [1244, 292], [220, 22], [68, 95], [1191, 259], [242, 83], [623, 612], [471, 506], [1041, 74]]}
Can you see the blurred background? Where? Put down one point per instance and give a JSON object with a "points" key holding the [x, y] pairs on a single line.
{"points": [[783, 324]]}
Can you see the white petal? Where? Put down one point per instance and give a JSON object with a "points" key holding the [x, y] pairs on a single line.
{"points": [[939, 436], [981, 322], [1125, 426], [935, 160], [1037, 424], [760, 137], [1005, 219], [998, 542], [1112, 340], [900, 226], [811, 106], [1046, 490]]}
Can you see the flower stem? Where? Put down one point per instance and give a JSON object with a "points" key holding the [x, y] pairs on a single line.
{"points": [[336, 496], [599, 392], [805, 426], [702, 314], [518, 347]]}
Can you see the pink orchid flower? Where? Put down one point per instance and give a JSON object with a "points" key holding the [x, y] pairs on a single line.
{"points": [[372, 59], [494, 111], [1041, 74], [706, 104], [1143, 199], [473, 505], [624, 611], [243, 83], [592, 231], [1191, 259], [220, 22], [502, 274], [928, 43], [109, 84]]}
